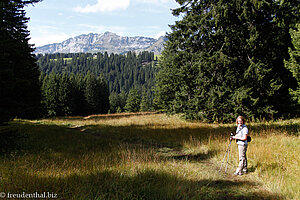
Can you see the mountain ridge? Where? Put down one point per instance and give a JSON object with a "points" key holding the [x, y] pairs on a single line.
{"points": [[104, 42]]}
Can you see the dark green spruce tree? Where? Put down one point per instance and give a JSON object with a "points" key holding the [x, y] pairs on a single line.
{"points": [[225, 58], [64, 96], [79, 96], [293, 64], [19, 73], [114, 102], [96, 94], [145, 101], [104, 95], [92, 94], [78, 103], [50, 91], [133, 101], [122, 96], [117, 102]]}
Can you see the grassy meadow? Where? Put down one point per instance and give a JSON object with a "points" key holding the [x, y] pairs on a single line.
{"points": [[147, 156]]}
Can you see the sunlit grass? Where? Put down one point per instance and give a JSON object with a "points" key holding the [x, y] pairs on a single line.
{"points": [[149, 156]]}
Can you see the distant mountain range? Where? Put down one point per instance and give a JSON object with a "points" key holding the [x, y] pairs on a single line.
{"points": [[107, 42]]}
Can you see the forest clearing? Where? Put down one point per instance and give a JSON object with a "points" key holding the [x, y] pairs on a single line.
{"points": [[218, 60], [147, 156]]}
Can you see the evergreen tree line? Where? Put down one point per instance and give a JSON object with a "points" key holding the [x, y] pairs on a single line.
{"points": [[236, 58], [122, 72], [67, 95], [226, 58], [79, 95], [136, 100], [125, 75]]}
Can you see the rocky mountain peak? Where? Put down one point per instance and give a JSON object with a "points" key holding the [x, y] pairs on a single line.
{"points": [[106, 42]]}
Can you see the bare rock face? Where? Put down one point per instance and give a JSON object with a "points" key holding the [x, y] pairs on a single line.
{"points": [[106, 42]]}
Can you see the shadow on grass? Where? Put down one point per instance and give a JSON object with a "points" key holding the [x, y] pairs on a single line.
{"points": [[160, 137], [31, 138], [10, 139], [194, 157], [290, 129], [35, 138], [146, 184]]}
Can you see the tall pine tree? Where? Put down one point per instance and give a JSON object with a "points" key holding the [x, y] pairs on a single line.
{"points": [[50, 91], [64, 92], [133, 101], [104, 95], [19, 74], [293, 64], [92, 94], [145, 101], [225, 58]]}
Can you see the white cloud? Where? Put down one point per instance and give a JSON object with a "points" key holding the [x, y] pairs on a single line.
{"points": [[120, 30], [49, 39], [104, 6], [154, 1], [47, 35]]}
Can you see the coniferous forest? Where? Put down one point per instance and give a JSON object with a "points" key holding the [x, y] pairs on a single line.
{"points": [[85, 83], [235, 58]]}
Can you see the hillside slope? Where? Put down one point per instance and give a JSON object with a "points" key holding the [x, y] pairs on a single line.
{"points": [[106, 42]]}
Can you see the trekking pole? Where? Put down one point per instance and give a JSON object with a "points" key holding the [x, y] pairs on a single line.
{"points": [[226, 154]]}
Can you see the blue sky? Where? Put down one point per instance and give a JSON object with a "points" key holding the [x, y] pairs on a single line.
{"points": [[53, 21]]}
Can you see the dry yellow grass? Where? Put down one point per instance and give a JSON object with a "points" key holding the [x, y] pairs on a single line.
{"points": [[150, 155]]}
